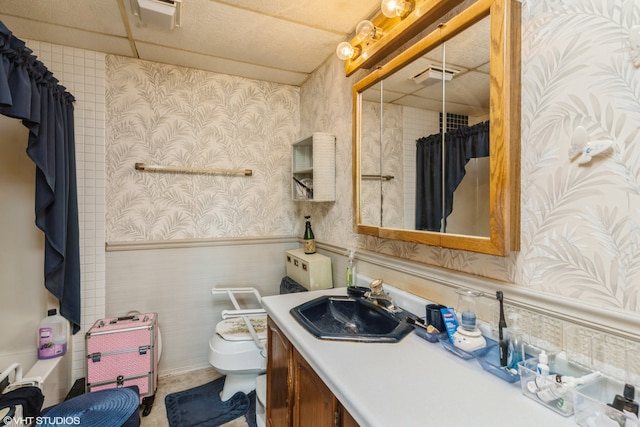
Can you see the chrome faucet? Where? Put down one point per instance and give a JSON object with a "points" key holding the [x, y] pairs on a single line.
{"points": [[379, 297]]}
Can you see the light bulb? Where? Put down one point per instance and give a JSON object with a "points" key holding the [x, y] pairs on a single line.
{"points": [[346, 51], [366, 30], [395, 8]]}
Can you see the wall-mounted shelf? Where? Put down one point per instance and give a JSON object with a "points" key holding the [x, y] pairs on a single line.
{"points": [[313, 164]]}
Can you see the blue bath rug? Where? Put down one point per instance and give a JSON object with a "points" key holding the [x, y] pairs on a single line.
{"points": [[201, 406]]}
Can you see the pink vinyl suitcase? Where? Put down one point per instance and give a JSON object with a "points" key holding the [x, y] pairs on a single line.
{"points": [[123, 351]]}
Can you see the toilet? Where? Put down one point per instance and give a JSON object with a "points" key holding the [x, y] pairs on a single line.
{"points": [[237, 350], [234, 353], [240, 353]]}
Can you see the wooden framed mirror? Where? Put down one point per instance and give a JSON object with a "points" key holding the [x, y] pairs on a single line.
{"points": [[466, 75]]}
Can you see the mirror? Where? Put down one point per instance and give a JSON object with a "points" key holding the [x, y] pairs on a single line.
{"points": [[453, 95]]}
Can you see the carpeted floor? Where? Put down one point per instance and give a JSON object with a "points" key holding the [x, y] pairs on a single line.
{"points": [[173, 383]]}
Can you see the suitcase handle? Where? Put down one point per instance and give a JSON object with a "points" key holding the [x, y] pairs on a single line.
{"points": [[120, 319]]}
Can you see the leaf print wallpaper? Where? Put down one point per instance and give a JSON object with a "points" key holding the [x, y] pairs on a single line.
{"points": [[580, 224], [167, 115]]}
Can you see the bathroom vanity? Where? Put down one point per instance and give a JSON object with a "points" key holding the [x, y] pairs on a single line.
{"points": [[409, 383], [298, 396]]}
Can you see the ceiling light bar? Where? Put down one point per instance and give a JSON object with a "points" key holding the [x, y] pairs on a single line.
{"points": [[396, 8], [387, 34]]}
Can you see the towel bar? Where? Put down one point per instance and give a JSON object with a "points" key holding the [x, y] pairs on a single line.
{"points": [[180, 169]]}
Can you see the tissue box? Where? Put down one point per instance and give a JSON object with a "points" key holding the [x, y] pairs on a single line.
{"points": [[591, 405], [313, 271], [557, 397]]}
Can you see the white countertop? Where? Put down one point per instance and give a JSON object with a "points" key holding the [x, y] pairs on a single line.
{"points": [[410, 383]]}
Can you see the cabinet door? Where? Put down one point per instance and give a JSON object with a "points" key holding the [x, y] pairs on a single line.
{"points": [[347, 420], [315, 404], [279, 380]]}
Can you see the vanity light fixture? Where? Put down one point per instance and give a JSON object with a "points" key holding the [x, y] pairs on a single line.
{"points": [[346, 50], [397, 23], [396, 8], [365, 30]]}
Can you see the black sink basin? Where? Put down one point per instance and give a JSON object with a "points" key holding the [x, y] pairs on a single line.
{"points": [[350, 319]]}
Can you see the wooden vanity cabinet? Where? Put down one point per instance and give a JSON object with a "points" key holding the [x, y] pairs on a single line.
{"points": [[296, 396], [279, 377]]}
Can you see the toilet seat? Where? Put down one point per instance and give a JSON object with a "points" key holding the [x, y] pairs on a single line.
{"points": [[235, 329]]}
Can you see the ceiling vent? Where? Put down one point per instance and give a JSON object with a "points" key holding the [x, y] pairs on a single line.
{"points": [[434, 73], [159, 13]]}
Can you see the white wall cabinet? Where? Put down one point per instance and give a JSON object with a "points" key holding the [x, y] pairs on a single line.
{"points": [[313, 164]]}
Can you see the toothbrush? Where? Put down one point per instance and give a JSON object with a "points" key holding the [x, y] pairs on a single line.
{"points": [[502, 342]]}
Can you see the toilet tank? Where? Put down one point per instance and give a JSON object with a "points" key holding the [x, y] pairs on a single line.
{"points": [[313, 271]]}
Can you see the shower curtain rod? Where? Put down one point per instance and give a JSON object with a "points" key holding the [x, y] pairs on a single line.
{"points": [[180, 169]]}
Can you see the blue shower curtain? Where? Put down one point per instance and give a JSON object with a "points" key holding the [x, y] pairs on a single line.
{"points": [[461, 145], [29, 92]]}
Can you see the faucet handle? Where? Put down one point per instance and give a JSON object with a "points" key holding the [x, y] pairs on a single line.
{"points": [[376, 287]]}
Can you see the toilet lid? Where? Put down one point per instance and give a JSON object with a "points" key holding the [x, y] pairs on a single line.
{"points": [[235, 329]]}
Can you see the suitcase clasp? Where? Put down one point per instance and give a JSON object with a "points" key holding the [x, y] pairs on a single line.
{"points": [[95, 357], [143, 349]]}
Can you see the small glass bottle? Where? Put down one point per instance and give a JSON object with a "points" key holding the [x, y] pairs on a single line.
{"points": [[309, 239]]}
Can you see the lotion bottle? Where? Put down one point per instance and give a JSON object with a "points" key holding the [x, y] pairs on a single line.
{"points": [[543, 364]]}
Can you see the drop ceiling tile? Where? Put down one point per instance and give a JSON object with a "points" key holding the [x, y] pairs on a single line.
{"points": [[470, 48], [339, 16], [219, 65], [471, 88], [97, 16], [422, 103], [223, 31], [55, 34]]}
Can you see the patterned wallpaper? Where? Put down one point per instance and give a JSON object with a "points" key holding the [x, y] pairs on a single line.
{"points": [[580, 224], [167, 115]]}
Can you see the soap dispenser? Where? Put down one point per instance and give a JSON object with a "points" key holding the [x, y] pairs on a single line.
{"points": [[351, 268]]}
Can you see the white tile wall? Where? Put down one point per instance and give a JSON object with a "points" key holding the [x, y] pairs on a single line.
{"points": [[82, 73]]}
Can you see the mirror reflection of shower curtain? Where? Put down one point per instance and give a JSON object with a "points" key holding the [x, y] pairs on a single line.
{"points": [[435, 186]]}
